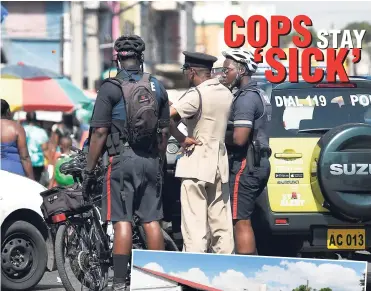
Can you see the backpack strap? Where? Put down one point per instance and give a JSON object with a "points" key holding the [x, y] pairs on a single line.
{"points": [[146, 77], [199, 111]]}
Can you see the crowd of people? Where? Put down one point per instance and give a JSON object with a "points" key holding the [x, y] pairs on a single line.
{"points": [[222, 168], [27, 149]]}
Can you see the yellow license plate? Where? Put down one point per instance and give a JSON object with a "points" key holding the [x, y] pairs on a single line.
{"points": [[346, 239]]}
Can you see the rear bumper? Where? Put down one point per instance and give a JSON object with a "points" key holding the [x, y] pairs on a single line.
{"points": [[297, 223], [308, 231]]}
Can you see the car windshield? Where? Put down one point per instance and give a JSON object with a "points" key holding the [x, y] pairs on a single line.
{"points": [[313, 110]]}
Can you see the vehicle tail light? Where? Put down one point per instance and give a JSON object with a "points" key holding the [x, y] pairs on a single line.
{"points": [[59, 218], [336, 85], [281, 221]]}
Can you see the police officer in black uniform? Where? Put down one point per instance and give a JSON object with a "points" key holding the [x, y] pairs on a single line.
{"points": [[133, 179], [247, 144]]}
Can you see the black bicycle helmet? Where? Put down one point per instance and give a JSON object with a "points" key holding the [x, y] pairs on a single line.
{"points": [[130, 43]]}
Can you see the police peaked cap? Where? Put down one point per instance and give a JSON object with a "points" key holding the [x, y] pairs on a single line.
{"points": [[198, 60]]}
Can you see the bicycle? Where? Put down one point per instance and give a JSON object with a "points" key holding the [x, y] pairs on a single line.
{"points": [[82, 239]]}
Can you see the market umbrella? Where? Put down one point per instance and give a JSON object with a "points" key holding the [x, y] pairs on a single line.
{"points": [[31, 88], [84, 112]]}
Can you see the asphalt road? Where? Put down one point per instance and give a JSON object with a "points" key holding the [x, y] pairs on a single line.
{"points": [[52, 282]]}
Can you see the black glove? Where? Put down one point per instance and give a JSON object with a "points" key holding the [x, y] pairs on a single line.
{"points": [[89, 182]]}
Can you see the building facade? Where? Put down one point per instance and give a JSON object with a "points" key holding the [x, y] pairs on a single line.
{"points": [[41, 34], [210, 26], [144, 279], [168, 29], [31, 33]]}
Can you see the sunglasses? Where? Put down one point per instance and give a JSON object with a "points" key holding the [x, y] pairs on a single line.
{"points": [[226, 70], [185, 68]]}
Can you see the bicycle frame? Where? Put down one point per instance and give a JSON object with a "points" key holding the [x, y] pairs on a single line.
{"points": [[90, 213]]}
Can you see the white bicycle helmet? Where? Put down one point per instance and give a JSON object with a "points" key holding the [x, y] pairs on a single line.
{"points": [[244, 57]]}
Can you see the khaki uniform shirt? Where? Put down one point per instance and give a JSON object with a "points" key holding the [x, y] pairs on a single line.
{"points": [[203, 162]]}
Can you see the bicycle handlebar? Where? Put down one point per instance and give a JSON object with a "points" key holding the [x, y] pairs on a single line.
{"points": [[76, 165]]}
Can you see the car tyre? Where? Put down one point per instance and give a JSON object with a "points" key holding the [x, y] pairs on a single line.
{"points": [[22, 244]]}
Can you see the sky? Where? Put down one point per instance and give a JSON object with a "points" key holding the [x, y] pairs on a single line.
{"points": [[324, 14], [279, 274]]}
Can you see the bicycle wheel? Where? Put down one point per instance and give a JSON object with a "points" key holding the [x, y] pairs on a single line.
{"points": [[76, 260]]}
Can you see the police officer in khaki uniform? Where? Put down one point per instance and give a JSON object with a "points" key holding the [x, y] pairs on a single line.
{"points": [[203, 167]]}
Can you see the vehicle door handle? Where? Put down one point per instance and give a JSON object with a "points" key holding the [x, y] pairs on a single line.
{"points": [[288, 156]]}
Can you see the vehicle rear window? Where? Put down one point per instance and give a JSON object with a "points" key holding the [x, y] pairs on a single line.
{"points": [[299, 112]]}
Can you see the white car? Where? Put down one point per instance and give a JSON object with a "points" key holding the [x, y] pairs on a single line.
{"points": [[26, 242]]}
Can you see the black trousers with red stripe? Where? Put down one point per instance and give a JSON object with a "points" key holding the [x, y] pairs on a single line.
{"points": [[133, 184], [246, 186]]}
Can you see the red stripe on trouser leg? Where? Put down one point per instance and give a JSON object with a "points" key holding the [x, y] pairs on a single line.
{"points": [[109, 170], [235, 188]]}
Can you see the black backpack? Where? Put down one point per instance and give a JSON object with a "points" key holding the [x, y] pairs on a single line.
{"points": [[142, 112]]}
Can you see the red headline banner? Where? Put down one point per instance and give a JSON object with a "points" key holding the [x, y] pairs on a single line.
{"points": [[278, 26]]}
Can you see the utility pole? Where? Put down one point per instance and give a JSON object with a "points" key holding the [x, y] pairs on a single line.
{"points": [[183, 30], [203, 41], [115, 21], [151, 38], [118, 12], [93, 52], [67, 45], [77, 38], [61, 39]]}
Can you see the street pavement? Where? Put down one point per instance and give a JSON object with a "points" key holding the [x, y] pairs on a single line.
{"points": [[52, 282]]}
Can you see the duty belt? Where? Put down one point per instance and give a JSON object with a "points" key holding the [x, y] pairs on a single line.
{"points": [[264, 152], [123, 148]]}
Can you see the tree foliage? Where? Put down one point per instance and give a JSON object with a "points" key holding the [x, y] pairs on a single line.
{"points": [[305, 288], [302, 288], [360, 26]]}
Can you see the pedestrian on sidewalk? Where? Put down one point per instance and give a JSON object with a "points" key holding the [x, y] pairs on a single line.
{"points": [[37, 144]]}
